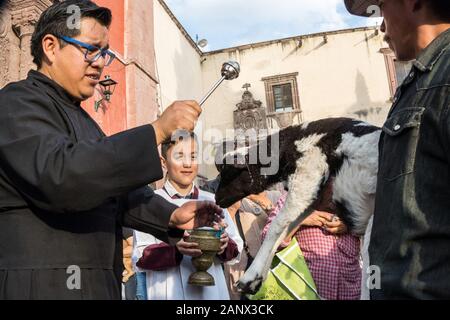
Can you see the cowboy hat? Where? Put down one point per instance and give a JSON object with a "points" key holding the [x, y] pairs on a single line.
{"points": [[362, 7]]}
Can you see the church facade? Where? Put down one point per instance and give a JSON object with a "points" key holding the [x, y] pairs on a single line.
{"points": [[349, 73], [133, 100], [282, 82]]}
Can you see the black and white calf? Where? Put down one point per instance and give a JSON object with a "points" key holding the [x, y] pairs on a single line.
{"points": [[309, 154]]}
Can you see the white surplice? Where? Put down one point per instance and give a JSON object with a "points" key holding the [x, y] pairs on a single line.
{"points": [[172, 284]]}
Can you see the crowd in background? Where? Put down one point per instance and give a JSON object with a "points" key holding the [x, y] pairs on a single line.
{"points": [[154, 270]]}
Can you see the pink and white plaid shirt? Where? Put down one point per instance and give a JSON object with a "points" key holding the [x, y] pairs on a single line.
{"points": [[332, 260]]}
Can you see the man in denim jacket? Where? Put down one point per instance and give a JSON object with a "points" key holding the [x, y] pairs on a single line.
{"points": [[410, 240]]}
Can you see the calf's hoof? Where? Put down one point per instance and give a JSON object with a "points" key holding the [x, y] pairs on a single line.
{"points": [[249, 287]]}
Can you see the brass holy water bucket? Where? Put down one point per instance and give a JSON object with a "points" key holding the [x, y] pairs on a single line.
{"points": [[208, 240]]}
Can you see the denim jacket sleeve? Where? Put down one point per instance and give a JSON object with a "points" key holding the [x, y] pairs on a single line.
{"points": [[446, 123]]}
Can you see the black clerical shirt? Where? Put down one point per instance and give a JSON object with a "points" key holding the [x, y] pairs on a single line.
{"points": [[66, 190]]}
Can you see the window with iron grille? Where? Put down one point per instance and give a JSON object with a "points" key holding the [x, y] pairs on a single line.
{"points": [[282, 96], [282, 93]]}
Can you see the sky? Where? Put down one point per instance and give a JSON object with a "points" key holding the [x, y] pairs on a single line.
{"points": [[229, 23]]}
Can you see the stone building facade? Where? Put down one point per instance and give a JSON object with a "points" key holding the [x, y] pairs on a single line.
{"points": [[348, 73], [284, 81], [133, 102], [17, 21]]}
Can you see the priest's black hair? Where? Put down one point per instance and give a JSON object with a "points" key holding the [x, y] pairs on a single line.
{"points": [[58, 21]]}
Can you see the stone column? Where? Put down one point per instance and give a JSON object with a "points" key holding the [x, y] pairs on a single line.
{"points": [[24, 30], [24, 16], [9, 47], [4, 27]]}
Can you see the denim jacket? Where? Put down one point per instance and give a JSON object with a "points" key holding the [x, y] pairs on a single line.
{"points": [[410, 240]]}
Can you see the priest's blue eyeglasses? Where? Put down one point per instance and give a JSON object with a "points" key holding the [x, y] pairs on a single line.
{"points": [[92, 53]]}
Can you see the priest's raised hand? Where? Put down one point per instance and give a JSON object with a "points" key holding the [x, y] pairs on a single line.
{"points": [[179, 115], [195, 214]]}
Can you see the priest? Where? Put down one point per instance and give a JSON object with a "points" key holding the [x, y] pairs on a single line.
{"points": [[66, 189]]}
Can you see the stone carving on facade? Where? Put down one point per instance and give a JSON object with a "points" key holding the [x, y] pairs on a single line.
{"points": [[25, 14], [250, 113], [17, 21], [4, 23], [5, 28], [286, 118]]}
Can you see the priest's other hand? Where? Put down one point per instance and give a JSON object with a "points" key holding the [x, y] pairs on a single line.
{"points": [[196, 214], [179, 115]]}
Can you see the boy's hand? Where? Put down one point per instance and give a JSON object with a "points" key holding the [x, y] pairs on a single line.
{"points": [[224, 239], [221, 224], [190, 249]]}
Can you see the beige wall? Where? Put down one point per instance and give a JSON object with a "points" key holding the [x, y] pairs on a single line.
{"points": [[177, 62], [338, 78], [346, 76]]}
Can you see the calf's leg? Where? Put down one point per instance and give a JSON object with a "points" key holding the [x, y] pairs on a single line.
{"points": [[304, 186]]}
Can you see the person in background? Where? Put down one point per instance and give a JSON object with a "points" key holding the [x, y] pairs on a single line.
{"points": [[168, 267], [128, 276], [331, 253], [67, 189], [410, 237], [250, 216]]}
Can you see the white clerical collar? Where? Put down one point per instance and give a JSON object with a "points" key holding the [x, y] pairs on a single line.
{"points": [[172, 192]]}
